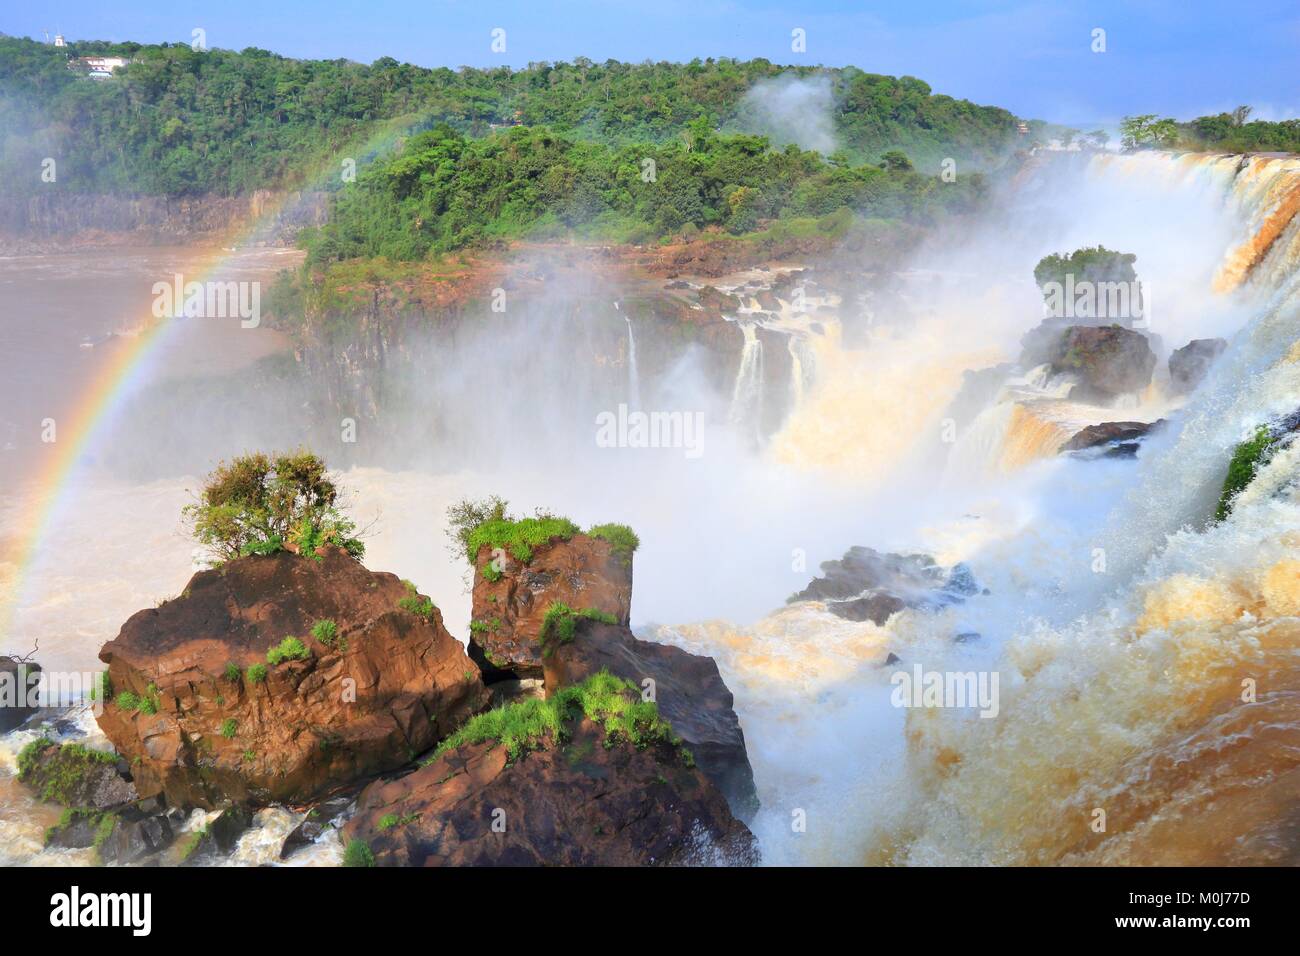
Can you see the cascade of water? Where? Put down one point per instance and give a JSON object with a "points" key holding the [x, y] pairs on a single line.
{"points": [[747, 394], [633, 375]]}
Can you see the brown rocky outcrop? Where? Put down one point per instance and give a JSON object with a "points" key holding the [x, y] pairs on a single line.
{"points": [[1108, 360], [581, 572], [576, 803], [1189, 364], [687, 687], [203, 729]]}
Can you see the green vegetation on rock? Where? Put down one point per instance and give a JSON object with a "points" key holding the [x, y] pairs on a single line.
{"points": [[358, 853], [289, 649], [59, 777], [414, 604], [622, 538], [256, 673], [561, 621], [533, 724], [327, 632], [1246, 461]]}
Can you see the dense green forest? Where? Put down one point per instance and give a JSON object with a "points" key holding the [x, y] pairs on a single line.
{"points": [[1224, 132], [177, 122], [444, 191]]}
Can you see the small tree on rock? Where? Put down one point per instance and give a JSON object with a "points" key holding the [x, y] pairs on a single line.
{"points": [[261, 504]]}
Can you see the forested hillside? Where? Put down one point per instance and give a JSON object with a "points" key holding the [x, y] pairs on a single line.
{"points": [[177, 122]]}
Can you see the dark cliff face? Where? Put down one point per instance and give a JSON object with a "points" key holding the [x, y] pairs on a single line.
{"points": [[60, 218]]}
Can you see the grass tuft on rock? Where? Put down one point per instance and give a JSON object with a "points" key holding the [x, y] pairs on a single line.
{"points": [[561, 621], [289, 649], [534, 724], [622, 538], [414, 604]]}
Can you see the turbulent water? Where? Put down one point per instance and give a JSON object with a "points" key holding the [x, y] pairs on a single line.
{"points": [[1123, 625]]}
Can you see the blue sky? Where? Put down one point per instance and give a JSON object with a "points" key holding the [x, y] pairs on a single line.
{"points": [[1163, 56]]}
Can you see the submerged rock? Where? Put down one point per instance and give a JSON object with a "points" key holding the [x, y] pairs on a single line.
{"points": [[590, 796], [868, 585], [1190, 364], [205, 718], [581, 572], [687, 687]]}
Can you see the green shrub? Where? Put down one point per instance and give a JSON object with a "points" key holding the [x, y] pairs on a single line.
{"points": [[289, 649], [229, 727], [327, 632], [414, 604], [232, 672], [358, 853], [257, 673], [128, 701], [256, 503]]}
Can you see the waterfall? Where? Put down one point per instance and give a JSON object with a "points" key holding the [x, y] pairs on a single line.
{"points": [[747, 394], [1125, 625], [794, 344], [633, 375]]}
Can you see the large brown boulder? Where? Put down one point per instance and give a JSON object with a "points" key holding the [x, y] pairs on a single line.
{"points": [[582, 572], [589, 799], [1108, 360], [687, 687], [204, 718]]}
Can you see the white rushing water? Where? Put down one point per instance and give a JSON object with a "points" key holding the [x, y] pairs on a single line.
{"points": [[1120, 621]]}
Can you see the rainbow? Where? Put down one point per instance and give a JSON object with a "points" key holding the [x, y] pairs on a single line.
{"points": [[55, 485]]}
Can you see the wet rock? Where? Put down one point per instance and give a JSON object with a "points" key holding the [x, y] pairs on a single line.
{"points": [[581, 572], [868, 585], [208, 720], [1109, 361], [134, 837], [1189, 364], [315, 823], [18, 684], [218, 837], [1107, 433], [687, 687], [582, 802]]}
